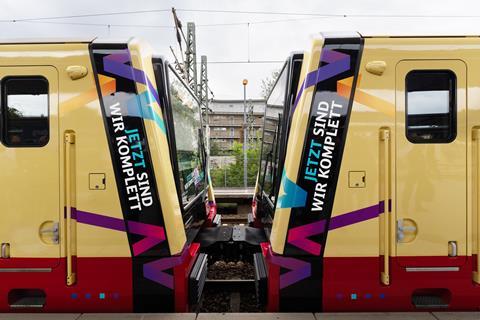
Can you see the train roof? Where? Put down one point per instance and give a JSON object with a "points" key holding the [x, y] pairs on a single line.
{"points": [[363, 35], [45, 40], [62, 40], [126, 40], [347, 34]]}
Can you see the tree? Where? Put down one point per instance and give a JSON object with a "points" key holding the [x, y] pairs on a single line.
{"points": [[268, 83], [14, 113], [215, 149], [232, 174]]}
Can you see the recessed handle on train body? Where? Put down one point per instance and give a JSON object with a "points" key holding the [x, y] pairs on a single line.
{"points": [[49, 232], [452, 249], [5, 254], [385, 147], [403, 228]]}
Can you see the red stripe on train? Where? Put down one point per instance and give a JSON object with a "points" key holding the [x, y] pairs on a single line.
{"points": [[353, 284], [103, 284]]}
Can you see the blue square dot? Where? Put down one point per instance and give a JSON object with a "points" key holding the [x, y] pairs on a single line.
{"points": [[101, 295], [88, 295], [74, 296], [368, 296], [353, 296], [382, 295]]}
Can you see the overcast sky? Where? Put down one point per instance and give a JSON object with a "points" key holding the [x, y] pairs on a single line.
{"points": [[228, 37]]}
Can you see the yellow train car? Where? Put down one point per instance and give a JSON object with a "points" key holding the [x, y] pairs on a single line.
{"points": [[369, 178], [104, 179]]}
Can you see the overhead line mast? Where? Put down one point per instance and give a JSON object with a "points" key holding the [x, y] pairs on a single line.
{"points": [[191, 58], [188, 68], [179, 34]]}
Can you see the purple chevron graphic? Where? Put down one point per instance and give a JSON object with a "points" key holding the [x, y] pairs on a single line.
{"points": [[298, 236], [116, 64], [337, 63], [356, 216], [155, 270], [153, 234], [98, 220], [299, 269]]}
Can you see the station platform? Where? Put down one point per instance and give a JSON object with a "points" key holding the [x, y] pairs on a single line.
{"points": [[234, 193], [249, 316]]}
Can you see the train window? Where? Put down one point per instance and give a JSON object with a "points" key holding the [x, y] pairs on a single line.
{"points": [[430, 106], [272, 136], [187, 130], [25, 111]]}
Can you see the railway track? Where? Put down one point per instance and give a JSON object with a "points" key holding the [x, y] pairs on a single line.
{"points": [[234, 221], [229, 287], [235, 215], [230, 279]]}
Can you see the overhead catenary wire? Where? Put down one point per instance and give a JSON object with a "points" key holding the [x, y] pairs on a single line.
{"points": [[208, 25], [325, 14], [304, 16], [218, 11], [94, 24], [293, 17], [88, 15], [310, 16], [243, 23]]}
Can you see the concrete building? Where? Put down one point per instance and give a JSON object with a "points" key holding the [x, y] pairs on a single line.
{"points": [[226, 121]]}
